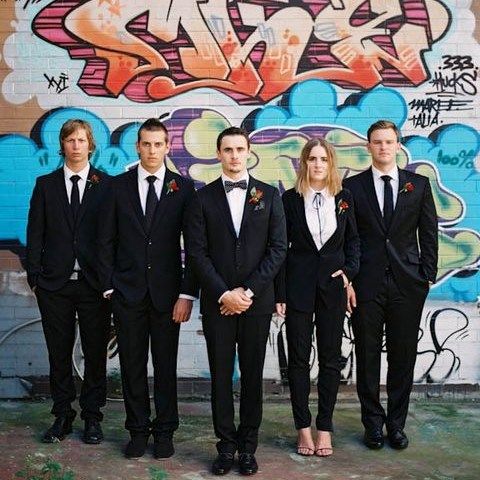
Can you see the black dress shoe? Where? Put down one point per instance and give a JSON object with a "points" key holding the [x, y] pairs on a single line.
{"points": [[398, 439], [373, 439], [61, 427], [223, 463], [163, 447], [92, 434], [247, 464], [137, 445]]}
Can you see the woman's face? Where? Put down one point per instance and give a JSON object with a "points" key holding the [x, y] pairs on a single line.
{"points": [[317, 165]]}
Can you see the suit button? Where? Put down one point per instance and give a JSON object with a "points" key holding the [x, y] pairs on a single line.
{"points": [[149, 267], [150, 242], [388, 240]]}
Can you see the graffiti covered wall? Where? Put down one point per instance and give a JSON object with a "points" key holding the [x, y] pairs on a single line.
{"points": [[286, 71]]}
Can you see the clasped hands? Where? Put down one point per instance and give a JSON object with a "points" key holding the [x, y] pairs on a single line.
{"points": [[235, 301]]}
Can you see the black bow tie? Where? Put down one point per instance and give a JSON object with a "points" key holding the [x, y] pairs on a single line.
{"points": [[229, 186]]}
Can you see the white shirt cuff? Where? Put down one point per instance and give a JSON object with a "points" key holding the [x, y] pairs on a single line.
{"points": [[187, 297], [106, 293], [249, 293]]}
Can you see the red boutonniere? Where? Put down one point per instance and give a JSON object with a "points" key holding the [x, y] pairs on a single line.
{"points": [[94, 179], [256, 196], [342, 205], [172, 187], [408, 187]]}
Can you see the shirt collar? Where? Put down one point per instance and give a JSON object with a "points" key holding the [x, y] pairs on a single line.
{"points": [[243, 177], [143, 174], [83, 174], [393, 173], [310, 194]]}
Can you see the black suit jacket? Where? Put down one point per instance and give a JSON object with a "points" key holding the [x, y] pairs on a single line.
{"points": [[409, 246], [222, 261], [54, 240], [134, 261], [308, 270]]}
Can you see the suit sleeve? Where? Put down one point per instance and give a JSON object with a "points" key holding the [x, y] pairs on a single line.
{"points": [[280, 279], [35, 234], [189, 282], [428, 235], [352, 243], [197, 247], [107, 238], [275, 252]]}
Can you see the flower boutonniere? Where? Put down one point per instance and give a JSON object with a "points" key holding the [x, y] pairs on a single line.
{"points": [[256, 196], [172, 186], [342, 205], [94, 179], [408, 187]]}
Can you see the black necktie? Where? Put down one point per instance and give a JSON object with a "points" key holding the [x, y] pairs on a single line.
{"points": [[387, 200], [75, 195], [229, 186], [317, 204], [152, 201]]}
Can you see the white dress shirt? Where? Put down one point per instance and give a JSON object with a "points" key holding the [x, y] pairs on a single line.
{"points": [[380, 184], [236, 201], [322, 231], [83, 174], [143, 183]]}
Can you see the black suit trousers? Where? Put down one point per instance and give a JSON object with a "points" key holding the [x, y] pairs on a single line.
{"points": [[328, 324], [223, 334], [59, 309], [138, 324], [397, 313]]}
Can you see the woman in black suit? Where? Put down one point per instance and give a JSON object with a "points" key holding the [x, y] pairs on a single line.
{"points": [[323, 257]]}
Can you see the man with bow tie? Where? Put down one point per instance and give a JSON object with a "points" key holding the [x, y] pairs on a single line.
{"points": [[237, 243], [141, 272], [62, 271]]}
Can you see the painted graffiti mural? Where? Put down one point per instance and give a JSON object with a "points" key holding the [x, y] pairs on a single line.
{"points": [[284, 70]]}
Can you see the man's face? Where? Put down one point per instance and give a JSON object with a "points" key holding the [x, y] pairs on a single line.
{"points": [[383, 146], [233, 154], [152, 148], [76, 149]]}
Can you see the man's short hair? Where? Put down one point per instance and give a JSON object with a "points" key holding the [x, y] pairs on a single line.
{"points": [[71, 126], [152, 125], [230, 131], [381, 125]]}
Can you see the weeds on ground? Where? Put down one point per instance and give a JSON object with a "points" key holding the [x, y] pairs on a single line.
{"points": [[157, 473], [39, 468]]}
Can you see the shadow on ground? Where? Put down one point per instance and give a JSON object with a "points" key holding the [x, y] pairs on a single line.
{"points": [[444, 444]]}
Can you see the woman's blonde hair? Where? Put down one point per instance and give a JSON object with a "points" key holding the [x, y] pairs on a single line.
{"points": [[333, 181]]}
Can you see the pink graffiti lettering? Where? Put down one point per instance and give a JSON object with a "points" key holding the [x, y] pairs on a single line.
{"points": [[253, 52]]}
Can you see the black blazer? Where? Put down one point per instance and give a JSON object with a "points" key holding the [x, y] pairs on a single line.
{"points": [[308, 270], [222, 261], [54, 240], [134, 261], [410, 245]]}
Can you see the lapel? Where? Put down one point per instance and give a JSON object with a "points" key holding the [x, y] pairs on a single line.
{"points": [[62, 196], [339, 218], [299, 205], [401, 197], [248, 208], [87, 193], [134, 195], [164, 199], [220, 200], [369, 187]]}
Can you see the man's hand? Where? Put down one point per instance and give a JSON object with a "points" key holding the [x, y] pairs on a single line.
{"points": [[280, 309], [182, 310], [235, 301], [344, 277], [351, 299]]}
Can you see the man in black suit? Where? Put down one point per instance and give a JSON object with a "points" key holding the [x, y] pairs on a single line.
{"points": [[62, 271], [237, 244], [141, 271], [397, 224]]}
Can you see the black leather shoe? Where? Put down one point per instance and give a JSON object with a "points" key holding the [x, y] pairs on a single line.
{"points": [[373, 439], [92, 434], [223, 463], [398, 439], [137, 445], [61, 427], [247, 464], [163, 447]]}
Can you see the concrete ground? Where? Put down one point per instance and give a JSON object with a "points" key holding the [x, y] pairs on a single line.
{"points": [[444, 444]]}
